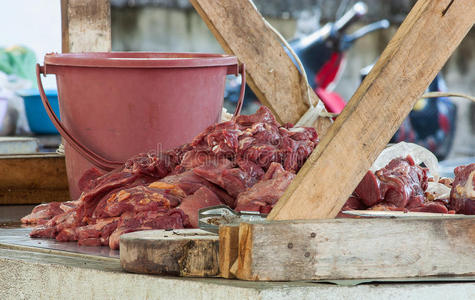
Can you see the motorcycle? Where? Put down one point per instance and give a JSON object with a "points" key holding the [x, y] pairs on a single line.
{"points": [[431, 122], [322, 55]]}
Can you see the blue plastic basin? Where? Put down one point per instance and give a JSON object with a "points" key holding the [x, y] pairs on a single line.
{"points": [[36, 115]]}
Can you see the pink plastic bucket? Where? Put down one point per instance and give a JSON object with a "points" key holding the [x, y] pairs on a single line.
{"points": [[115, 105]]}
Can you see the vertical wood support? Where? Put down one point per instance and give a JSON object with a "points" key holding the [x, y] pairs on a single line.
{"points": [[86, 25]]}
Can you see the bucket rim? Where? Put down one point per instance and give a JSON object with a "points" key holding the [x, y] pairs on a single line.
{"points": [[139, 59]]}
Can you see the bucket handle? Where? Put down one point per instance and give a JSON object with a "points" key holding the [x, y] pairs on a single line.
{"points": [[242, 70], [90, 155]]}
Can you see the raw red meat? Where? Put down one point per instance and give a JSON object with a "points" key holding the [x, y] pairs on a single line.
{"points": [[97, 234], [264, 194], [233, 181], [200, 199], [189, 182], [137, 199], [368, 190], [88, 179], [400, 185], [353, 203], [251, 159], [462, 195], [147, 220], [44, 212], [246, 163]]}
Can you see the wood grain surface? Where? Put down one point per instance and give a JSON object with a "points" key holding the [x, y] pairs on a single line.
{"points": [[228, 249], [356, 248], [31, 179], [86, 25]]}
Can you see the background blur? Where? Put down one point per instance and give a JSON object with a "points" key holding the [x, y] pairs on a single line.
{"points": [[173, 25]]}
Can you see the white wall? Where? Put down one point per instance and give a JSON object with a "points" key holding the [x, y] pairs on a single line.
{"points": [[33, 23]]}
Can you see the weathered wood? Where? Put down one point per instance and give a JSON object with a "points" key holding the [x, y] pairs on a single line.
{"points": [[357, 248], [228, 249], [184, 252], [271, 74], [242, 269], [33, 171], [86, 25], [33, 196], [31, 179], [419, 49]]}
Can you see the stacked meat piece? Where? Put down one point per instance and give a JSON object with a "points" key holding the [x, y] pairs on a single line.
{"points": [[462, 195], [401, 186], [246, 163]]}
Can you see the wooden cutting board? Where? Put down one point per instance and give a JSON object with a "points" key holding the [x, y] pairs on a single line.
{"points": [[33, 178]]}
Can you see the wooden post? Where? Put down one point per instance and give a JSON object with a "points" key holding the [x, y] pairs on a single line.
{"points": [[276, 81], [86, 25], [419, 49]]}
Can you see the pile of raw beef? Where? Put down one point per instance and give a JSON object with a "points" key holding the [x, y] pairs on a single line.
{"points": [[246, 163]]}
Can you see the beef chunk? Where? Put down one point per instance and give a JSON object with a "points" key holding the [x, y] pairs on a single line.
{"points": [[43, 231], [200, 199], [462, 195], [136, 199], [353, 203], [400, 183], [264, 194], [189, 182], [399, 186], [44, 212], [263, 115], [88, 179], [97, 234], [221, 173], [368, 190], [130, 222]]}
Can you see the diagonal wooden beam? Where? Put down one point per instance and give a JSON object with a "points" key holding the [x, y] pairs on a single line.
{"points": [[426, 39], [241, 31]]}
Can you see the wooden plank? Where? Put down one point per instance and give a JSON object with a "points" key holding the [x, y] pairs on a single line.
{"points": [[33, 171], [228, 249], [419, 49], [183, 252], [31, 179], [86, 25], [33, 196], [271, 74], [356, 249], [242, 268]]}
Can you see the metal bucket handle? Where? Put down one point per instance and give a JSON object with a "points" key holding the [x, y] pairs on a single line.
{"points": [[90, 155]]}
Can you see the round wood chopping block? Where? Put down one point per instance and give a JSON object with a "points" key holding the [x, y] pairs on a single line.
{"points": [[183, 252]]}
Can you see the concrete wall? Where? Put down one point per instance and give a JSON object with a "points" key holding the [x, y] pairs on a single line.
{"points": [[156, 28]]}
